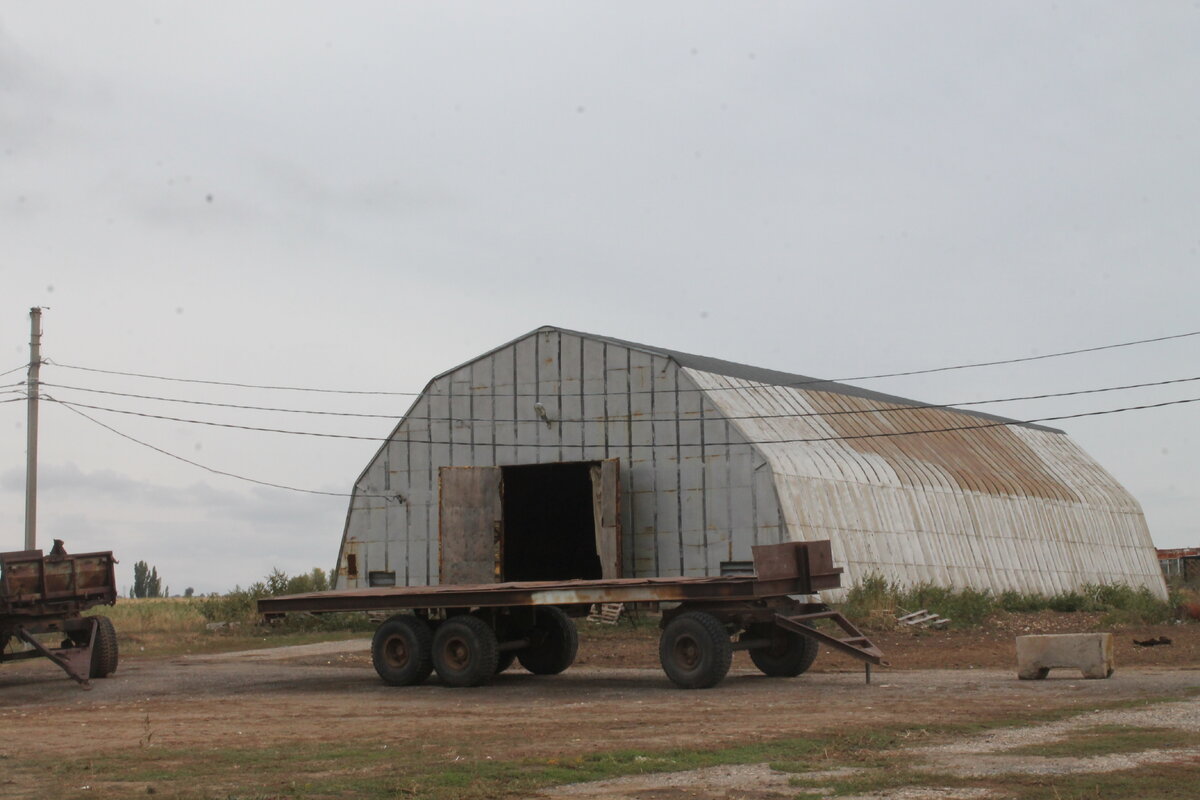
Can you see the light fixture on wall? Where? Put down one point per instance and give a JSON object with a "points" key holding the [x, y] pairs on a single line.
{"points": [[542, 415]]}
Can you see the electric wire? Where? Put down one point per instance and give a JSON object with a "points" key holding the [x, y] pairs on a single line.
{"points": [[1024, 359], [205, 467], [809, 382], [211, 403], [539, 421], [225, 383], [559, 445], [14, 369]]}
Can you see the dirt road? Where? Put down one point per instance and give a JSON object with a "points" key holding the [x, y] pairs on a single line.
{"points": [[285, 695], [320, 696]]}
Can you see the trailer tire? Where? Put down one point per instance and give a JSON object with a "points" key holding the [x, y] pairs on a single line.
{"points": [[792, 654], [554, 642], [465, 651], [695, 650], [401, 650], [104, 649]]}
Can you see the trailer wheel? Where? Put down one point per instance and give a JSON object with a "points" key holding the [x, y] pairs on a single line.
{"points": [[505, 660], [554, 642], [790, 655], [465, 651], [695, 650], [104, 649], [401, 650]]}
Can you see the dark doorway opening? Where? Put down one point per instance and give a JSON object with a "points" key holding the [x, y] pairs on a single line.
{"points": [[549, 523]]}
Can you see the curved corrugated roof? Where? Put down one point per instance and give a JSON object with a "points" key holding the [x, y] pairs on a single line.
{"points": [[772, 377]]}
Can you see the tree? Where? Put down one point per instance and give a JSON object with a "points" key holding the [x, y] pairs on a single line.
{"points": [[188, 592], [146, 582]]}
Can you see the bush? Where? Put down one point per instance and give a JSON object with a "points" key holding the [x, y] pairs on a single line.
{"points": [[876, 601], [241, 605]]}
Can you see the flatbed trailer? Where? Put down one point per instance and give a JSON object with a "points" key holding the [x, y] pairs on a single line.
{"points": [[47, 594], [468, 633]]}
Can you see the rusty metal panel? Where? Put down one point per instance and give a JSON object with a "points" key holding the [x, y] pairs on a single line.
{"points": [[991, 507], [470, 525]]}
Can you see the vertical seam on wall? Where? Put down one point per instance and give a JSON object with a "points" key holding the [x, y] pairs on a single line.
{"points": [[537, 394], [604, 392], [653, 375], [678, 473], [621, 477], [703, 483], [435, 498], [558, 395], [407, 513], [516, 410], [583, 425]]}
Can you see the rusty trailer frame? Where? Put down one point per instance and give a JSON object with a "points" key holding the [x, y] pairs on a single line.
{"points": [[468, 633], [48, 595]]}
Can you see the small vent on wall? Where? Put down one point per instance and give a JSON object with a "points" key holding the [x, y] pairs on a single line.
{"points": [[380, 578]]}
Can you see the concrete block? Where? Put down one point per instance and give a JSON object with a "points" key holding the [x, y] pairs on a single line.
{"points": [[1091, 653]]}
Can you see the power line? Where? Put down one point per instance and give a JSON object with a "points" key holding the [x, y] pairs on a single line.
{"points": [[207, 468], [561, 420], [1020, 360], [210, 423], [977, 427], [223, 383], [220, 405], [995, 424], [14, 369], [795, 384]]}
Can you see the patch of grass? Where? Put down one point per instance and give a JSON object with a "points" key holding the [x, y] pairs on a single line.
{"points": [[875, 602], [1105, 740], [1152, 782], [175, 626], [881, 781]]}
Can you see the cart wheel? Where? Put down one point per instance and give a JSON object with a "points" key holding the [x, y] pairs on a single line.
{"points": [[554, 642], [505, 660], [791, 654], [104, 649], [464, 651], [695, 650], [401, 650]]}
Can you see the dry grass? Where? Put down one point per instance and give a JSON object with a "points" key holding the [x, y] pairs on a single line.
{"points": [[163, 626]]}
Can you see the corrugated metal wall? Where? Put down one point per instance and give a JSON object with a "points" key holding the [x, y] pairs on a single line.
{"points": [[686, 506], [994, 507]]}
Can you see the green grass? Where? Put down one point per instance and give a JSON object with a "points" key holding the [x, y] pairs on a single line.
{"points": [[1105, 740], [1176, 781], [875, 601]]}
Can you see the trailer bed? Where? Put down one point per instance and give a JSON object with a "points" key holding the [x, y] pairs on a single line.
{"points": [[47, 594], [530, 619]]}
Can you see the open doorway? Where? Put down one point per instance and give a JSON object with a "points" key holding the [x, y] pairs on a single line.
{"points": [[549, 523]]}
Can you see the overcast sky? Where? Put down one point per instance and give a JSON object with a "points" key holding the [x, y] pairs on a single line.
{"points": [[359, 196]]}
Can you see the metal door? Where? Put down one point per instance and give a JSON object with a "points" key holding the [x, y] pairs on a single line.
{"points": [[606, 506], [470, 524]]}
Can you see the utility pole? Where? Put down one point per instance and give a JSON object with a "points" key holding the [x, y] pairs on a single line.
{"points": [[35, 363]]}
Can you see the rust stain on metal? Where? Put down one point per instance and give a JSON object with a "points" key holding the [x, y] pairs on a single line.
{"points": [[983, 458]]}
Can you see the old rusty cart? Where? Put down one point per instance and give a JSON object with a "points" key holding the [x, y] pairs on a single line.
{"points": [[470, 633], [47, 595]]}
